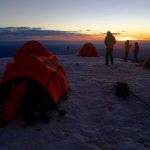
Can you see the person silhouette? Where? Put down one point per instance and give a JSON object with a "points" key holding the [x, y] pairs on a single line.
{"points": [[126, 48], [109, 43], [136, 51]]}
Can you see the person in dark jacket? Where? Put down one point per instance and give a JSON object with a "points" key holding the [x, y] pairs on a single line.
{"points": [[136, 51], [126, 48], [109, 42]]}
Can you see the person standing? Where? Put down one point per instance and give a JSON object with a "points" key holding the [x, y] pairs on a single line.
{"points": [[136, 51], [126, 47], [109, 43]]}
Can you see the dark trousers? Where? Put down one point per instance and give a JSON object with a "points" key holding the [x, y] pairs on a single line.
{"points": [[109, 55], [126, 56], [135, 58]]}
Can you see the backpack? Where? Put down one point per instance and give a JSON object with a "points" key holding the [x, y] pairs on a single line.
{"points": [[122, 89]]}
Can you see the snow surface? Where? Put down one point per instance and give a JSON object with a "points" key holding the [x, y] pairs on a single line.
{"points": [[96, 119]]}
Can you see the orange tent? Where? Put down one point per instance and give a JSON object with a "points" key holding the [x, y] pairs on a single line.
{"points": [[88, 50], [49, 75], [33, 48]]}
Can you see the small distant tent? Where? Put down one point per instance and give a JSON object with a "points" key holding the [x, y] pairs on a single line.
{"points": [[33, 48], [88, 50], [146, 62]]}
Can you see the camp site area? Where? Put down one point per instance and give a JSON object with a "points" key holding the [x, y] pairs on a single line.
{"points": [[96, 118]]}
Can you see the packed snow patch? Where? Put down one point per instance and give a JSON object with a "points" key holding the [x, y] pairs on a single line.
{"points": [[96, 118]]}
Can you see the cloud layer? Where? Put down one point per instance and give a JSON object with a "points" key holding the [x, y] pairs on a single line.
{"points": [[15, 33], [28, 33]]}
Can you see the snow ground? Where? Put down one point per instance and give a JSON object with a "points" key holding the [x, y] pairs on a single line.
{"points": [[96, 118]]}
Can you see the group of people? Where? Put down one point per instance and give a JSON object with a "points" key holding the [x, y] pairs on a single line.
{"points": [[110, 41], [135, 50]]}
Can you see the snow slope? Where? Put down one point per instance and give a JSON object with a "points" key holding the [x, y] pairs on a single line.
{"points": [[96, 119]]}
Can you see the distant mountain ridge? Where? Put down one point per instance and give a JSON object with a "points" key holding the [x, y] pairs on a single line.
{"points": [[8, 48]]}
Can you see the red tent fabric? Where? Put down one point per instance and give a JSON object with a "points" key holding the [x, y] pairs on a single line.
{"points": [[51, 76], [33, 48], [88, 50]]}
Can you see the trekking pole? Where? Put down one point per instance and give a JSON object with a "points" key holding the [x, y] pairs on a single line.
{"points": [[140, 99]]}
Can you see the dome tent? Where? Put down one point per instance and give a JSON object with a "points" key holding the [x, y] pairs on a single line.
{"points": [[46, 79], [33, 48], [88, 50]]}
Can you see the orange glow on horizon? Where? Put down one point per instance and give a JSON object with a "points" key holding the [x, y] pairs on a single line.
{"points": [[68, 38], [87, 38], [126, 38]]}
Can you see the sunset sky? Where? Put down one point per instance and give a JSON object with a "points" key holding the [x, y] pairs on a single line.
{"points": [[74, 19]]}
